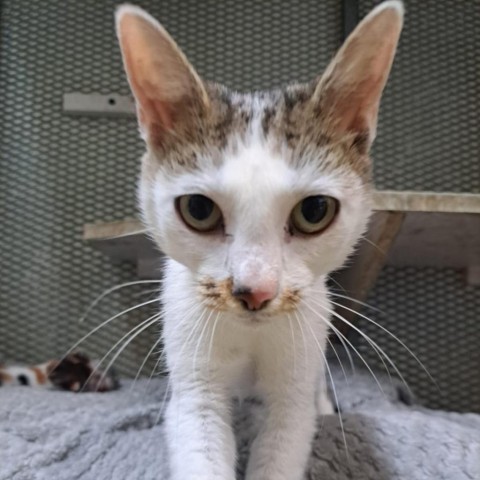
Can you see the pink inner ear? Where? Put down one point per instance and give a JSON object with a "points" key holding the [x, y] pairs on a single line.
{"points": [[145, 76], [358, 110], [157, 118], [165, 85], [355, 80]]}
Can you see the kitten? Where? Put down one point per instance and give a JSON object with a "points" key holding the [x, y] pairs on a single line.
{"points": [[255, 199], [75, 372]]}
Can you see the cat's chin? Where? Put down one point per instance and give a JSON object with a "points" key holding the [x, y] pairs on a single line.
{"points": [[253, 319]]}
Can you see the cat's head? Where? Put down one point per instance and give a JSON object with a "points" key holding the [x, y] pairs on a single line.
{"points": [[257, 194]]}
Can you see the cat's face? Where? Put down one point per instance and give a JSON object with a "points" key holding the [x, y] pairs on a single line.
{"points": [[276, 216], [257, 194]]}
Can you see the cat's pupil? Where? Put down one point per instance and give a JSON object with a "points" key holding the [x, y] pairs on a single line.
{"points": [[314, 208], [200, 207]]}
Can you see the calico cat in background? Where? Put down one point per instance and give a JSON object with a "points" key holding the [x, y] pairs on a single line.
{"points": [[255, 198], [75, 372]]}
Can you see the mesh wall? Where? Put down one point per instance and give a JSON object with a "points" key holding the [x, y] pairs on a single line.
{"points": [[59, 172], [435, 315], [428, 135]]}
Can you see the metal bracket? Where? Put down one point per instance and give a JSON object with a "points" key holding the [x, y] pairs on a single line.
{"points": [[96, 104]]}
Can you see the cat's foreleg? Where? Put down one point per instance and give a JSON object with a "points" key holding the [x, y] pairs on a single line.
{"points": [[200, 438], [282, 447]]}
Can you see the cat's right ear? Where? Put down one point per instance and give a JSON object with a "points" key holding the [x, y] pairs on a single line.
{"points": [[349, 92], [168, 92]]}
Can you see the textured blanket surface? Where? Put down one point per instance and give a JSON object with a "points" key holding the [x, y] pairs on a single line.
{"points": [[118, 435]]}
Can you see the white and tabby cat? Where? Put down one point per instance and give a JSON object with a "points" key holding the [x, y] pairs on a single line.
{"points": [[255, 199]]}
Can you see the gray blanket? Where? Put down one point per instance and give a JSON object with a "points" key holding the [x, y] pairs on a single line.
{"points": [[118, 435]]}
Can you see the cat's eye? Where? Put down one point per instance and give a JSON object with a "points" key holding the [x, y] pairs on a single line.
{"points": [[199, 212], [313, 214]]}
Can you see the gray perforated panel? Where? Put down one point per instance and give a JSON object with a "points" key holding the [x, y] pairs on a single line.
{"points": [[58, 172], [428, 135], [435, 314]]}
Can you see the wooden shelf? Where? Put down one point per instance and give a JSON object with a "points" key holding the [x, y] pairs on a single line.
{"points": [[407, 229]]}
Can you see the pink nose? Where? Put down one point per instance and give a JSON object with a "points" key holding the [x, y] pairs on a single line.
{"points": [[253, 299]]}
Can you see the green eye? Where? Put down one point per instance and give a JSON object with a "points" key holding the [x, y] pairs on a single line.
{"points": [[199, 212], [314, 214]]}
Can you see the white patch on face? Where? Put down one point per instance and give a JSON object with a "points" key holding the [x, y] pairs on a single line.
{"points": [[256, 190]]}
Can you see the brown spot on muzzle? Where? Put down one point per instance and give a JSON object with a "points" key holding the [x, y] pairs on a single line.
{"points": [[289, 300], [219, 295]]}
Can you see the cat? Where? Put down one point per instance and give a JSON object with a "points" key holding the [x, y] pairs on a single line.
{"points": [[254, 198], [75, 372]]}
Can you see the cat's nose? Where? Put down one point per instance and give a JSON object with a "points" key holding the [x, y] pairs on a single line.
{"points": [[253, 299]]}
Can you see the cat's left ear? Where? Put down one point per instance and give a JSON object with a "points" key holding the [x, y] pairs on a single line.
{"points": [[349, 92], [168, 92]]}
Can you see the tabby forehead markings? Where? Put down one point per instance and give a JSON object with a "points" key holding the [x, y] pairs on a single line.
{"points": [[286, 118]]}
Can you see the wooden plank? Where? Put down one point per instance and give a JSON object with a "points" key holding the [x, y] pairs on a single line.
{"points": [[426, 202], [123, 240], [104, 231], [448, 240], [473, 275]]}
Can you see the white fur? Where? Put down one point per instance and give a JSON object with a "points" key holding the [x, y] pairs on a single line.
{"points": [[212, 355]]}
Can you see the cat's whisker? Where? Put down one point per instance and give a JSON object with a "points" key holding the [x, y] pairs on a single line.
{"points": [[370, 341], [153, 372], [111, 290], [354, 300], [147, 356], [194, 329], [210, 345], [197, 326], [149, 321], [191, 311], [393, 336], [187, 341], [305, 348], [324, 358], [199, 342], [340, 335], [152, 320], [373, 244], [294, 346], [330, 277], [103, 324], [339, 360], [164, 402], [347, 351], [148, 292]]}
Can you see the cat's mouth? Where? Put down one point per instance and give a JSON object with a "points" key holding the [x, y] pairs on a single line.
{"points": [[219, 296]]}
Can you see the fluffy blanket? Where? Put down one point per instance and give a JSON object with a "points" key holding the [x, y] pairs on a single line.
{"points": [[118, 435]]}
